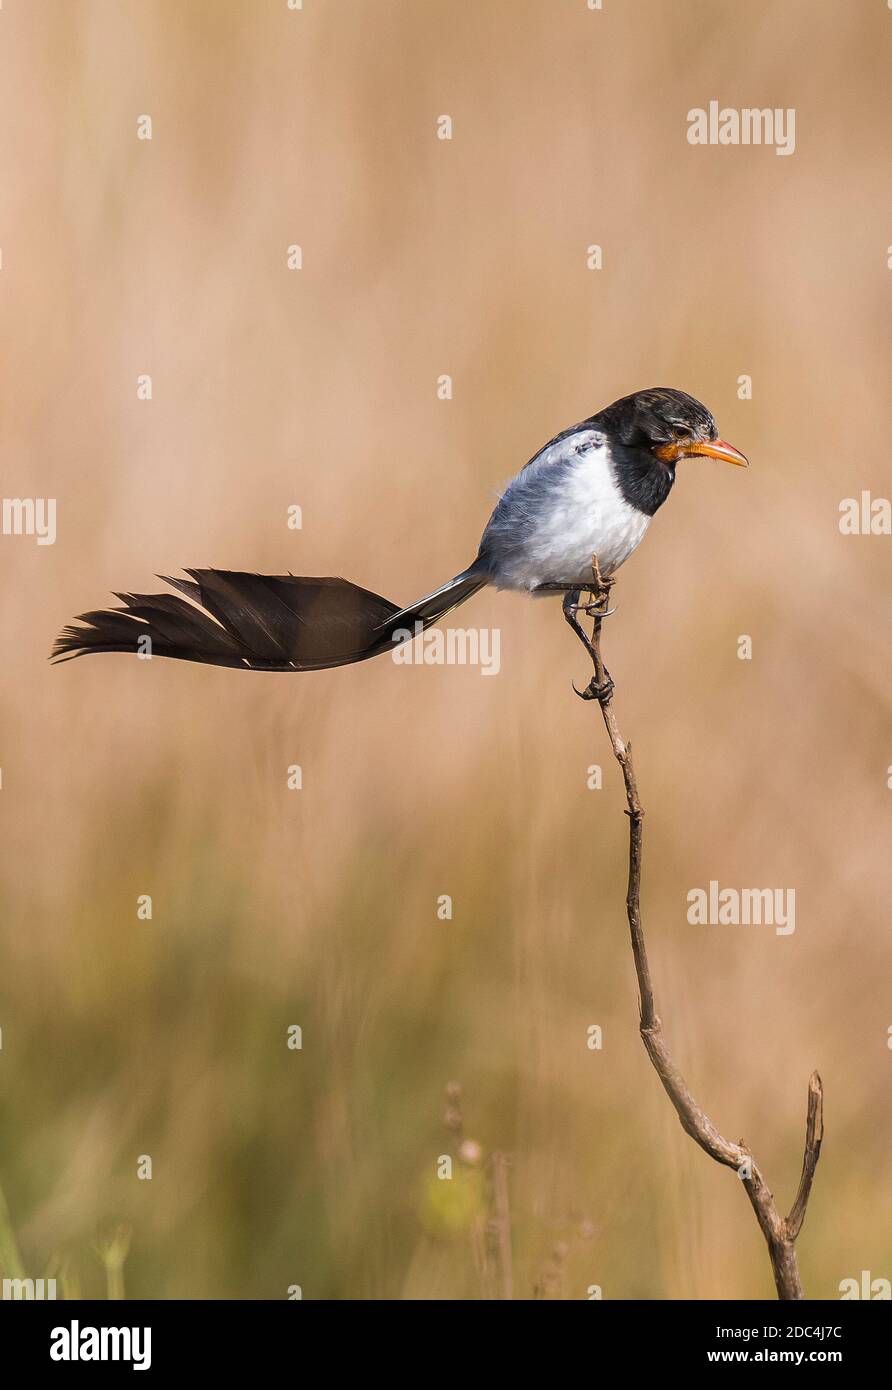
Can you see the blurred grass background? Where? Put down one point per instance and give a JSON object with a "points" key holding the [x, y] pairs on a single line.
{"points": [[121, 1037]]}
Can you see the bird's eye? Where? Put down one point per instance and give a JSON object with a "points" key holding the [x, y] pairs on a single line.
{"points": [[682, 432]]}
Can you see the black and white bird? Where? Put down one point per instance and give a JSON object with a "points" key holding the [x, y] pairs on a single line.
{"points": [[590, 492]]}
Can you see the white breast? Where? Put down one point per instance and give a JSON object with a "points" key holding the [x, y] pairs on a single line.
{"points": [[559, 512]]}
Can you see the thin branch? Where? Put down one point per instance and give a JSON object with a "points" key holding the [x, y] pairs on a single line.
{"points": [[814, 1137], [780, 1233]]}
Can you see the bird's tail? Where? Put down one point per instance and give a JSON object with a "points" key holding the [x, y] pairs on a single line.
{"points": [[259, 622]]}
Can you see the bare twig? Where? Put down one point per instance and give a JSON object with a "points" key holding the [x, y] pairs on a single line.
{"points": [[814, 1137], [780, 1233]]}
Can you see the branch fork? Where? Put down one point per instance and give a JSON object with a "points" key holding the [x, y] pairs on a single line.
{"points": [[780, 1232]]}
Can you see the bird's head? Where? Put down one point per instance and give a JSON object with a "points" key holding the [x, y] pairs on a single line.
{"points": [[669, 425]]}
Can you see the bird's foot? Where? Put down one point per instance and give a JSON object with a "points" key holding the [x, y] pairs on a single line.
{"points": [[595, 690], [594, 608], [602, 692], [598, 605]]}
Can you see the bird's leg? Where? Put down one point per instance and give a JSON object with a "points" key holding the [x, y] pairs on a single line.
{"points": [[596, 605], [599, 604], [602, 682], [600, 687], [594, 609], [572, 606]]}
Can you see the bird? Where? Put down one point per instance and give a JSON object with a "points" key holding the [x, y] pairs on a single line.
{"points": [[589, 494]]}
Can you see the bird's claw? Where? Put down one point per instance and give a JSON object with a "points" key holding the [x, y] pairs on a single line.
{"points": [[591, 610], [593, 691]]}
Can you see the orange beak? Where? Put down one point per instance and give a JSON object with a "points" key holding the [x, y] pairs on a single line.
{"points": [[706, 448]]}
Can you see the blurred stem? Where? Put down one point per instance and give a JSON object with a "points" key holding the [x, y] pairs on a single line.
{"points": [[503, 1225], [115, 1281], [780, 1232], [112, 1246], [11, 1263]]}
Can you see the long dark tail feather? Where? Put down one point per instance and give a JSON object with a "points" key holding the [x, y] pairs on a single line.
{"points": [[259, 622]]}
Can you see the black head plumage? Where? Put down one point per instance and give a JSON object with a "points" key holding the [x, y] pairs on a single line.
{"points": [[650, 418]]}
